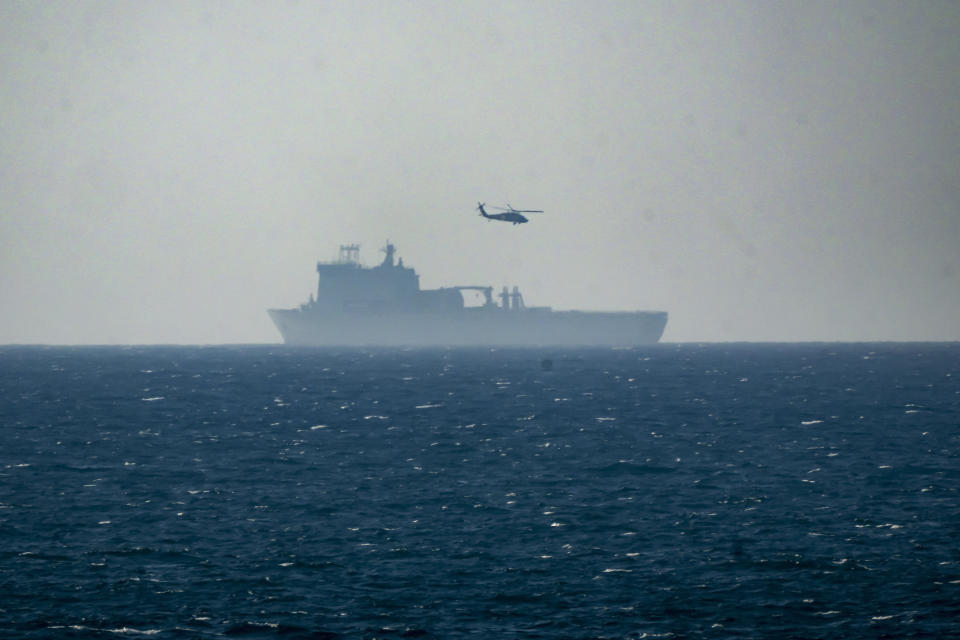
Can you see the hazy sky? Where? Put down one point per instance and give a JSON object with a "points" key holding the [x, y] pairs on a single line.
{"points": [[761, 170]]}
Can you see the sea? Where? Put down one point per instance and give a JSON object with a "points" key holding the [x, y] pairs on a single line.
{"points": [[665, 491]]}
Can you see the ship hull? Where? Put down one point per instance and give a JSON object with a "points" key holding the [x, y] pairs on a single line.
{"points": [[469, 327]]}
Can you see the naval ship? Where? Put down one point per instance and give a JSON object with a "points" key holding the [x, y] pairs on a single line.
{"points": [[385, 306]]}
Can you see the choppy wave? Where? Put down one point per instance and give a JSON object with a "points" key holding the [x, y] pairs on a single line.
{"points": [[671, 491]]}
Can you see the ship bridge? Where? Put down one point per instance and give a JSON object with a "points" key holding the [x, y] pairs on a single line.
{"points": [[345, 283]]}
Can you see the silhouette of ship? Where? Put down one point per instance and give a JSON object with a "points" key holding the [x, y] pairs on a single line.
{"points": [[385, 306]]}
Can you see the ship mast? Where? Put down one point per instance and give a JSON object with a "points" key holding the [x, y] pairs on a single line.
{"points": [[388, 259]]}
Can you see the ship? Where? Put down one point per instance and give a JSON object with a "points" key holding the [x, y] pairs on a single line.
{"points": [[385, 306]]}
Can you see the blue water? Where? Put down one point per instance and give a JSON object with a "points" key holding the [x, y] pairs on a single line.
{"points": [[673, 491]]}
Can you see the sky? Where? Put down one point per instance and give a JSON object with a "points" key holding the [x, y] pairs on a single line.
{"points": [[784, 171]]}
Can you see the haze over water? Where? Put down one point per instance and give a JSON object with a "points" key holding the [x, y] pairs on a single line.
{"points": [[763, 171], [782, 172]]}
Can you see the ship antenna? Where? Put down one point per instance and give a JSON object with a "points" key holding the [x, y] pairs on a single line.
{"points": [[349, 253]]}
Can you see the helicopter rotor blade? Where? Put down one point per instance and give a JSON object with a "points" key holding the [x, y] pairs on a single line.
{"points": [[511, 209]]}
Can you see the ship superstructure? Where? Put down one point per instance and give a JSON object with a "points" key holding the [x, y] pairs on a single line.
{"points": [[385, 306]]}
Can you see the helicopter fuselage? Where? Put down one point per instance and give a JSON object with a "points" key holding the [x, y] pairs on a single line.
{"points": [[509, 216], [515, 218]]}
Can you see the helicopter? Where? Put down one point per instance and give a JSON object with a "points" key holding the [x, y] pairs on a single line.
{"points": [[509, 213]]}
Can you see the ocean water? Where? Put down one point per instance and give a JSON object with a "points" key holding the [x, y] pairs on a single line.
{"points": [[671, 491]]}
